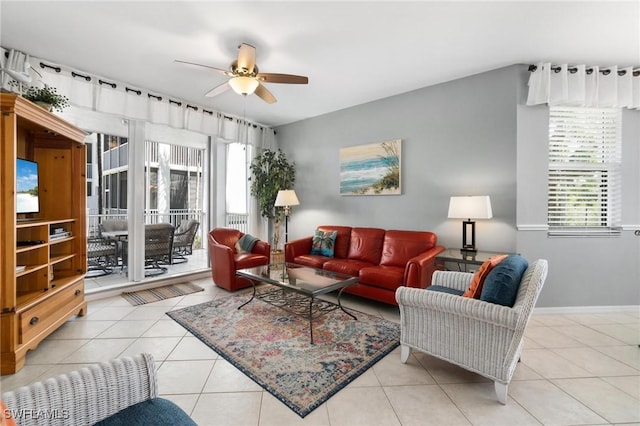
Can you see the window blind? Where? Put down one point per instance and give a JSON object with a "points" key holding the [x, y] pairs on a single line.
{"points": [[584, 193]]}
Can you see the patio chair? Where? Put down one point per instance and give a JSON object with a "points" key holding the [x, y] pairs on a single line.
{"points": [[102, 256], [158, 248], [183, 240], [115, 230], [111, 225], [479, 336]]}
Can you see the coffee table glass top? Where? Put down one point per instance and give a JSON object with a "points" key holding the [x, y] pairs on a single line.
{"points": [[302, 279]]}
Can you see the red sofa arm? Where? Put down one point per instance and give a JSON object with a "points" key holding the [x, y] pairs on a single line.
{"points": [[263, 248], [296, 248], [419, 269]]}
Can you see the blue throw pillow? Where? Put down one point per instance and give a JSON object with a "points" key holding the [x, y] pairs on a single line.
{"points": [[323, 243], [502, 283]]}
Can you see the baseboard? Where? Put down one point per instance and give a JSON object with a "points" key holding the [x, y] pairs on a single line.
{"points": [[585, 310], [118, 289]]}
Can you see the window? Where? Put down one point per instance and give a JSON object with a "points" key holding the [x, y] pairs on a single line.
{"points": [[237, 178], [584, 193]]}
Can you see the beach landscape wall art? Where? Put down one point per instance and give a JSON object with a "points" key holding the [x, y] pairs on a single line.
{"points": [[372, 169]]}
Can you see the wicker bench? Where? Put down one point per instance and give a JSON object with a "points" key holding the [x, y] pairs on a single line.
{"points": [[120, 392]]}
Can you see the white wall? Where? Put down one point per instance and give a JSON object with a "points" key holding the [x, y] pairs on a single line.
{"points": [[469, 136]]}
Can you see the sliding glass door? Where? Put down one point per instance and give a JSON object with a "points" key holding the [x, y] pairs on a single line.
{"points": [[152, 179]]}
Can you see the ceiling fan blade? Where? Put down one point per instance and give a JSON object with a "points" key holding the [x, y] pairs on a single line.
{"points": [[282, 78], [218, 70], [218, 90], [247, 57], [264, 94]]}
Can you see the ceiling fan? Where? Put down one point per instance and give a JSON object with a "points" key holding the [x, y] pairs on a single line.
{"points": [[245, 77]]}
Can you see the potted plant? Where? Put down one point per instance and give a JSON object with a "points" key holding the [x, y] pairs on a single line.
{"points": [[271, 172], [47, 97]]}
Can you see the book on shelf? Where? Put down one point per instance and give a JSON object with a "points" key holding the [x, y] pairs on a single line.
{"points": [[59, 235], [21, 268]]}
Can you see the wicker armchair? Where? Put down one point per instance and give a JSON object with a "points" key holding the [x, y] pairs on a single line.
{"points": [[478, 336], [125, 387]]}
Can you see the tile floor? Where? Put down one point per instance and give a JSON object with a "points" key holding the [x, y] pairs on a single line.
{"points": [[575, 370]]}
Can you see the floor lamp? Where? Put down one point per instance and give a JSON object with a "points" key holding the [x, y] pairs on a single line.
{"points": [[286, 198], [470, 207]]}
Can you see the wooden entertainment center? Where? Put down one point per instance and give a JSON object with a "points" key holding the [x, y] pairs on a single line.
{"points": [[44, 255]]}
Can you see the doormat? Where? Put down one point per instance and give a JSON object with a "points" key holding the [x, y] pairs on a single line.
{"points": [[151, 295], [273, 348]]}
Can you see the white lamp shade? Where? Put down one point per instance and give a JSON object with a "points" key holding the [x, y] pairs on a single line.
{"points": [[470, 207], [244, 85], [286, 197]]}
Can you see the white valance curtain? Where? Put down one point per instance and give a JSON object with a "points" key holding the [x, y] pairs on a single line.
{"points": [[103, 95], [584, 85], [238, 130]]}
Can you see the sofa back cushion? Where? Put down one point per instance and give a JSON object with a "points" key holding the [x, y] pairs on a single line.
{"points": [[226, 236], [366, 244], [400, 246], [343, 239]]}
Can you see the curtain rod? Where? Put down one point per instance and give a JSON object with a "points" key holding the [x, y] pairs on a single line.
{"points": [[589, 71]]}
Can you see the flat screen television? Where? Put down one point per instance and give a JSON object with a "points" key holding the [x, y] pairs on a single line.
{"points": [[27, 200]]}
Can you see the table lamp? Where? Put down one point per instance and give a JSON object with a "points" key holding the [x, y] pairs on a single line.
{"points": [[286, 198], [470, 207]]}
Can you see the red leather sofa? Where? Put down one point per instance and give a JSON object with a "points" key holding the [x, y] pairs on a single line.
{"points": [[225, 259], [382, 259]]}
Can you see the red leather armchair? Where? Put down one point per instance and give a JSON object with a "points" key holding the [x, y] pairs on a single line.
{"points": [[225, 260]]}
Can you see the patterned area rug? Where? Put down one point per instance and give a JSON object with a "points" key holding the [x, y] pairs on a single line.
{"points": [[273, 347], [160, 293]]}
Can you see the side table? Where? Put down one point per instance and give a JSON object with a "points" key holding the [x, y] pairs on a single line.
{"points": [[462, 259]]}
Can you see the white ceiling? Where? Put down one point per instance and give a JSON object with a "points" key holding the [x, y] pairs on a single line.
{"points": [[352, 52]]}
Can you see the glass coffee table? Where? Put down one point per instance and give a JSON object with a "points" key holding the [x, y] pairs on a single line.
{"points": [[297, 289]]}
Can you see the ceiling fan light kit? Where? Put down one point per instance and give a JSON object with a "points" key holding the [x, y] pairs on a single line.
{"points": [[245, 77], [244, 85]]}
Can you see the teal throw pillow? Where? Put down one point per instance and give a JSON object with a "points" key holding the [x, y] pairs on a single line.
{"points": [[245, 243], [323, 243], [502, 283]]}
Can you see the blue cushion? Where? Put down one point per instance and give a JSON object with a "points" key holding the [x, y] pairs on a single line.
{"points": [[323, 243], [502, 283], [444, 289], [153, 412]]}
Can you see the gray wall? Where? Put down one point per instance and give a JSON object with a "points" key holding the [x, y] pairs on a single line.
{"points": [[597, 271], [470, 136]]}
